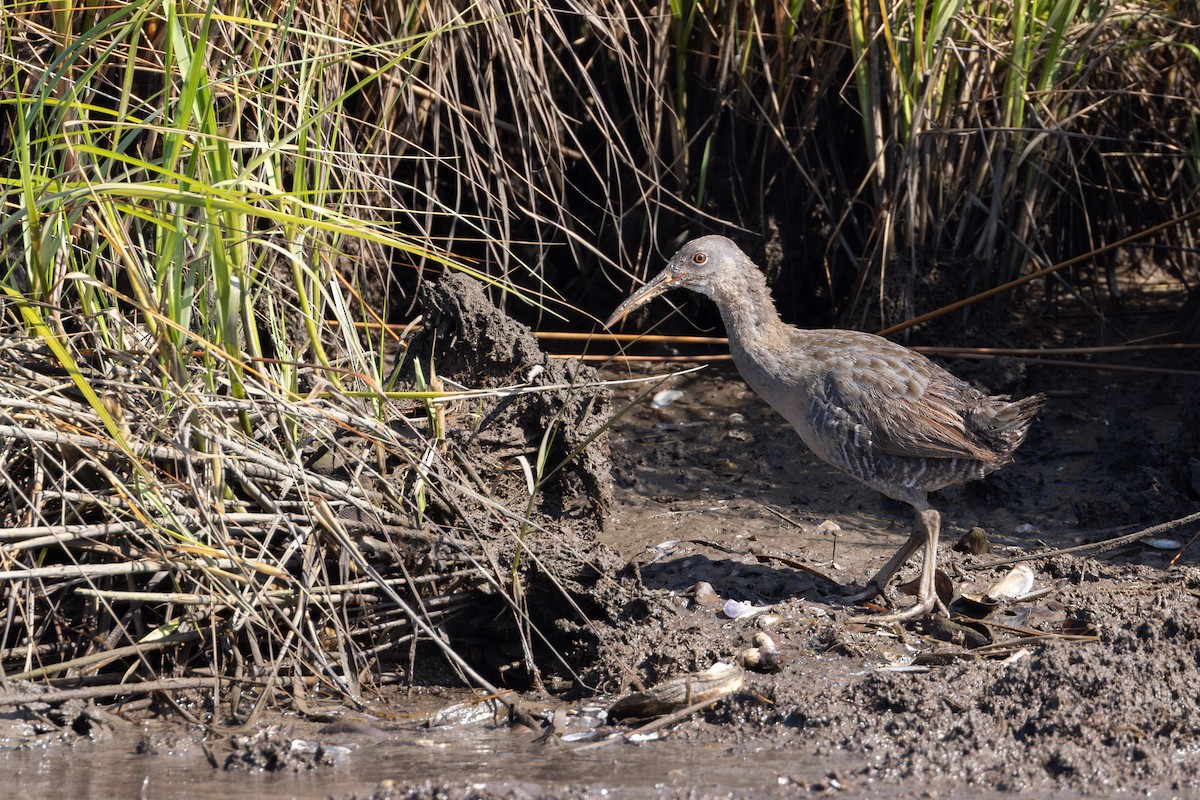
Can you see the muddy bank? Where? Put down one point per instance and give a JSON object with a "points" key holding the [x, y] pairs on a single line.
{"points": [[1087, 688]]}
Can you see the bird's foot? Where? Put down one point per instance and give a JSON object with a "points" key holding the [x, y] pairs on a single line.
{"points": [[924, 606], [870, 591]]}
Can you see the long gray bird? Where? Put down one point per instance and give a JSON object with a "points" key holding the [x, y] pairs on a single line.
{"points": [[872, 408]]}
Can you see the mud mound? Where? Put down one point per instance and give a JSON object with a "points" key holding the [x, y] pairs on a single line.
{"points": [[469, 342], [552, 437]]}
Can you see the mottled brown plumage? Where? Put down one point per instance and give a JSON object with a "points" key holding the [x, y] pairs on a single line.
{"points": [[876, 410]]}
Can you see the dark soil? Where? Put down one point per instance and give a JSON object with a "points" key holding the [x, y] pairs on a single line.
{"points": [[1096, 693]]}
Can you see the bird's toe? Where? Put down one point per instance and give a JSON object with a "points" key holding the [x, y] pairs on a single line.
{"points": [[923, 607]]}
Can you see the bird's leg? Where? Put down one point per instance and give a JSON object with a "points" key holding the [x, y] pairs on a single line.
{"points": [[879, 582], [927, 599]]}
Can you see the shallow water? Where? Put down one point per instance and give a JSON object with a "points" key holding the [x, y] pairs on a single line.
{"points": [[462, 754]]}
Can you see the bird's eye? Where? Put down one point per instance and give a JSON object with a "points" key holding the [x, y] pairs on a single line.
{"points": [[700, 258]]}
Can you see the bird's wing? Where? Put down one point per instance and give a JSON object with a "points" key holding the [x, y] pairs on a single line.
{"points": [[903, 412]]}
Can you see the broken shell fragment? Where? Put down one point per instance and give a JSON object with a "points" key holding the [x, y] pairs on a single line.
{"points": [[665, 398], [735, 609], [1013, 586], [717, 682]]}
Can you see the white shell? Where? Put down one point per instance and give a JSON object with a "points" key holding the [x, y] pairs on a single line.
{"points": [[665, 398], [1013, 586], [1165, 544], [765, 642], [737, 608]]}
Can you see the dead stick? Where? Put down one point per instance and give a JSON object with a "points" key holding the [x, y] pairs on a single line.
{"points": [[96, 692], [650, 727], [107, 656], [975, 298], [1101, 546]]}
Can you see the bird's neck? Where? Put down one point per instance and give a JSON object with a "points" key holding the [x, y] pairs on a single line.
{"points": [[748, 311]]}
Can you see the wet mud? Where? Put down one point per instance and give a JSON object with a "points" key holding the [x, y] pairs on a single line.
{"points": [[1086, 688]]}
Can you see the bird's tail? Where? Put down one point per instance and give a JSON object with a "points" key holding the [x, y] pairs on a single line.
{"points": [[1009, 422]]}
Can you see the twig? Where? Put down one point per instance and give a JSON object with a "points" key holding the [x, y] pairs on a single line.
{"points": [[96, 692], [106, 656], [86, 570], [975, 298], [52, 533], [649, 727], [1099, 547]]}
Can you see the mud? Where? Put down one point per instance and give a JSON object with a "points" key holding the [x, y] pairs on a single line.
{"points": [[506, 443], [468, 342], [1088, 689]]}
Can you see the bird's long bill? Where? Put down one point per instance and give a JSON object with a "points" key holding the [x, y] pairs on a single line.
{"points": [[662, 282]]}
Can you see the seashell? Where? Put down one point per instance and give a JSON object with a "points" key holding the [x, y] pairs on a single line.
{"points": [[1164, 544], [759, 660], [469, 712], [1013, 586], [306, 747], [763, 657], [768, 620], [828, 526], [703, 594], [764, 640], [750, 658], [975, 542], [735, 609], [665, 398], [1017, 655]]}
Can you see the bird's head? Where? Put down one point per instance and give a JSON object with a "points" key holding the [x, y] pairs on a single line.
{"points": [[700, 265]]}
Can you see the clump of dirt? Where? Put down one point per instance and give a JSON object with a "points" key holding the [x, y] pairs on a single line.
{"points": [[168, 740], [28, 720], [272, 750], [467, 341], [552, 436]]}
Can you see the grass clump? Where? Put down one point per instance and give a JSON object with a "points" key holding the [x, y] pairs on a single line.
{"points": [[208, 469]]}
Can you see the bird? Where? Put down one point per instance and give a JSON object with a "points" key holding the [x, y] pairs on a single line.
{"points": [[873, 409]]}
